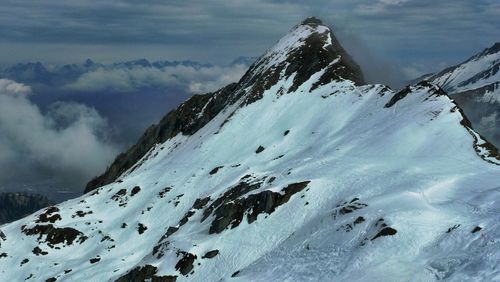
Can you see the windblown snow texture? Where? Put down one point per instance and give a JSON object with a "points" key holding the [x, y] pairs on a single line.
{"points": [[299, 172]]}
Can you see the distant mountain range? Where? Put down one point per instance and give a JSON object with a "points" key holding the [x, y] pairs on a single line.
{"points": [[37, 73]]}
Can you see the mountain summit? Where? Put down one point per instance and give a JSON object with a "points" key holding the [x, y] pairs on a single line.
{"points": [[308, 49], [297, 172]]}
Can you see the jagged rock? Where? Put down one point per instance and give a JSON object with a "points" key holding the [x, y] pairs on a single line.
{"points": [[37, 251], [143, 273], [452, 228], [186, 264], [54, 235], [476, 229], [259, 150], [135, 190], [210, 254], [215, 170], [95, 260], [141, 228], [164, 192], [201, 203], [81, 213], [231, 213], [232, 194], [386, 231]]}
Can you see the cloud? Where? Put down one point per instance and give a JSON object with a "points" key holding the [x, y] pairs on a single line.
{"points": [[189, 79], [9, 87], [379, 6], [68, 143]]}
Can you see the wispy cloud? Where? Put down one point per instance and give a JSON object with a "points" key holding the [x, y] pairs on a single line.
{"points": [[379, 6]]}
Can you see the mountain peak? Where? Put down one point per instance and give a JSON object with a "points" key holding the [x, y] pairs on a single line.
{"points": [[307, 49], [312, 21], [493, 49], [88, 63]]}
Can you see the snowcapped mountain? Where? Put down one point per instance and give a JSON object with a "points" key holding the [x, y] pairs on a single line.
{"points": [[482, 70], [475, 85], [298, 172]]}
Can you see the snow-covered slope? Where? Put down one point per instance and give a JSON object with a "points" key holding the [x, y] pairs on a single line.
{"points": [[298, 173], [475, 85]]}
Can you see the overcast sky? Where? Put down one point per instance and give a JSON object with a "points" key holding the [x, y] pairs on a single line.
{"points": [[416, 35]]}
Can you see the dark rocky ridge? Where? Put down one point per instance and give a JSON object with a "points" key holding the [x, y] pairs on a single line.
{"points": [[188, 118], [14, 206], [434, 90]]}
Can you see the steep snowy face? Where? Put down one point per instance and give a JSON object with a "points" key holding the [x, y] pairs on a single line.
{"points": [[310, 48], [475, 85], [298, 172]]}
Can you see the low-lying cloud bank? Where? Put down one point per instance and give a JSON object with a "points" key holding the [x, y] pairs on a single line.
{"points": [[68, 143], [190, 79]]}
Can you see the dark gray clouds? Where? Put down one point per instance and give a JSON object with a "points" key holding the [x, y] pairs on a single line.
{"points": [[67, 144], [415, 36]]}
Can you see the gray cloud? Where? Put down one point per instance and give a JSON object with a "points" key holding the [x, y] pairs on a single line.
{"points": [[68, 143], [190, 79]]}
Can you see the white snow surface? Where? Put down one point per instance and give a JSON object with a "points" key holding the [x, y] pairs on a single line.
{"points": [[413, 165]]}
